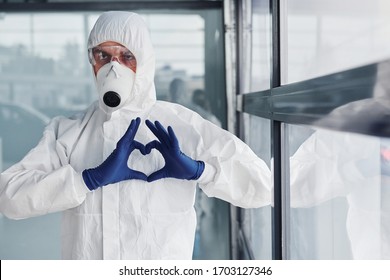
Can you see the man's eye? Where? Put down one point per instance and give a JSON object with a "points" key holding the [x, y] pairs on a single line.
{"points": [[102, 55], [128, 57]]}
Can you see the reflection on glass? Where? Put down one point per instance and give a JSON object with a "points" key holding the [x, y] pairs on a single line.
{"points": [[369, 115], [323, 37], [257, 222], [339, 196]]}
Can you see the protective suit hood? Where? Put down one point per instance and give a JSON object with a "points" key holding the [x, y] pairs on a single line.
{"points": [[129, 30]]}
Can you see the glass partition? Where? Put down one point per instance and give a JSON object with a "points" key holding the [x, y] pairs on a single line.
{"points": [[257, 223], [339, 195], [255, 74], [255, 46], [323, 37]]}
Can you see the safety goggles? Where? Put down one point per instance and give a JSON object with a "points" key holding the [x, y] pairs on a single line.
{"points": [[101, 55]]}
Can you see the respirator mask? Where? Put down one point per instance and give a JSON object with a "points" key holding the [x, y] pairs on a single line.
{"points": [[115, 77]]}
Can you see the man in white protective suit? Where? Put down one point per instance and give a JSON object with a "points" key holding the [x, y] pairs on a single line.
{"points": [[124, 172]]}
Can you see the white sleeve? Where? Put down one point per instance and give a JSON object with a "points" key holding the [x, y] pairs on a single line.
{"points": [[331, 164], [233, 172], [41, 183]]}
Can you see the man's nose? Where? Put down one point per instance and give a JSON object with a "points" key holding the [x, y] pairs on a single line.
{"points": [[115, 58]]}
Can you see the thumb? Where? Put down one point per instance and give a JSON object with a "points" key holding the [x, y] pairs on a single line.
{"points": [[159, 174]]}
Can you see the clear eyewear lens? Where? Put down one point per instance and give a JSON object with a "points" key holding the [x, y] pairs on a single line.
{"points": [[103, 55]]}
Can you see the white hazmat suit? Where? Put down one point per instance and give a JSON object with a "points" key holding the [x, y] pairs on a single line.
{"points": [[132, 219]]}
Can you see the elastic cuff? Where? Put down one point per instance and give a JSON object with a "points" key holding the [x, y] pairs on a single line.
{"points": [[199, 171], [80, 184], [88, 180], [208, 174]]}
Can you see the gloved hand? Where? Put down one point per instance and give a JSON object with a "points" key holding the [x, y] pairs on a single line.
{"points": [[177, 165], [114, 169]]}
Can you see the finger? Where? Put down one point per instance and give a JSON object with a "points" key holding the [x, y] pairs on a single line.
{"points": [[126, 135], [137, 145], [172, 137], [159, 174], [135, 128], [156, 131], [133, 174], [163, 133], [131, 130], [152, 128], [153, 145]]}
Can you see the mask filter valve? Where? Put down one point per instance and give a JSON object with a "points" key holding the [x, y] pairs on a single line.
{"points": [[111, 99]]}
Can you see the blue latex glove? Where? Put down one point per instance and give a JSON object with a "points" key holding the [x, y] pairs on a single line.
{"points": [[177, 165], [114, 169]]}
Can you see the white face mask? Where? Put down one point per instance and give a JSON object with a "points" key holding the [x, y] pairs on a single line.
{"points": [[115, 85]]}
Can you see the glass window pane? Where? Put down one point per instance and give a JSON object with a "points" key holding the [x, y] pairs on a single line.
{"points": [[256, 46], [323, 37], [257, 224], [339, 192]]}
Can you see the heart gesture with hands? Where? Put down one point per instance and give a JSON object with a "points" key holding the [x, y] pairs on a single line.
{"points": [[115, 169]]}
